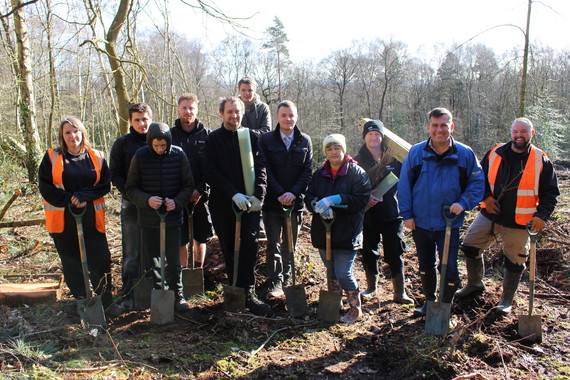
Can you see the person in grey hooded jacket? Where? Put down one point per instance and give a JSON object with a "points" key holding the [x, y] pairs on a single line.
{"points": [[257, 115]]}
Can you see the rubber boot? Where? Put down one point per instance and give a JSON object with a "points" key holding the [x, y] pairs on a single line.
{"points": [[355, 312], [371, 281], [510, 284], [429, 284], [254, 304], [449, 289], [400, 295], [475, 272]]}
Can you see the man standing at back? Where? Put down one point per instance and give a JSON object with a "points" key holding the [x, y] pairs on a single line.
{"points": [[438, 172], [122, 152], [257, 116], [289, 158], [225, 176], [190, 134], [521, 187]]}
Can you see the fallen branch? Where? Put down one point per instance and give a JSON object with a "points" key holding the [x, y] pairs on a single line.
{"points": [[254, 352], [475, 375], [93, 369], [552, 240], [23, 223], [9, 203]]}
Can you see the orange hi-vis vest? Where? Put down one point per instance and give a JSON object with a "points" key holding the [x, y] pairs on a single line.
{"points": [[55, 219], [527, 192]]}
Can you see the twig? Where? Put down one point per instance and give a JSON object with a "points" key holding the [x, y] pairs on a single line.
{"points": [[253, 353], [558, 241], [115, 347], [9, 203], [191, 321], [475, 375], [23, 223], [503, 361], [93, 369]]}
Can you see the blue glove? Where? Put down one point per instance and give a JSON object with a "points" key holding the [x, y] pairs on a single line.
{"points": [[326, 203], [327, 214], [241, 201]]}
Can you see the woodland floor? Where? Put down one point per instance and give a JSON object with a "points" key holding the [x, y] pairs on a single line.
{"points": [[47, 341]]}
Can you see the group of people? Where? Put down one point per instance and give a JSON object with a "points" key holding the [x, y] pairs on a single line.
{"points": [[169, 174]]}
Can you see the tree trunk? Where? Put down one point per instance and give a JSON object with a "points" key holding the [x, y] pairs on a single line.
{"points": [[117, 66], [26, 103]]}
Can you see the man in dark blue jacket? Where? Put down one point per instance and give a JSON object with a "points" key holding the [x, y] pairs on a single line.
{"points": [[382, 218], [438, 172], [190, 134], [289, 158], [122, 152]]}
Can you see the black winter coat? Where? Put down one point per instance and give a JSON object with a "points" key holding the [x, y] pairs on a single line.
{"points": [[122, 152], [167, 176], [193, 143], [387, 209], [353, 185], [287, 171], [223, 166]]}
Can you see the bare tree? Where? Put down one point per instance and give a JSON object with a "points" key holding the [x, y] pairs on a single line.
{"points": [[26, 102]]}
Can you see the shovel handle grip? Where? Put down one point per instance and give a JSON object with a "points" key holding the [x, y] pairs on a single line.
{"points": [[448, 216]]}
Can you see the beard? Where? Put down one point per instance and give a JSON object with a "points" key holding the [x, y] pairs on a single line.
{"points": [[521, 145]]}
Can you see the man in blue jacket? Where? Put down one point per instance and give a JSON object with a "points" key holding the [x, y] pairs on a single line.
{"points": [[122, 152], [438, 172]]}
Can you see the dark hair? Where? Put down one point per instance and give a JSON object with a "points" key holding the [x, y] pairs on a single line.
{"points": [[440, 111], [188, 96], [75, 122], [247, 80], [140, 108], [286, 103], [231, 99]]}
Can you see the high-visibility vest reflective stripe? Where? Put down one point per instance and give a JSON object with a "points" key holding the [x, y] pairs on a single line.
{"points": [[527, 191], [55, 220]]}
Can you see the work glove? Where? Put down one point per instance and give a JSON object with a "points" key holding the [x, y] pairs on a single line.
{"points": [[537, 223], [256, 204], [327, 214], [241, 201], [492, 205], [327, 202]]}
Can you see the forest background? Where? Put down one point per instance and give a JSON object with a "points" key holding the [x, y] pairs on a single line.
{"points": [[92, 58]]}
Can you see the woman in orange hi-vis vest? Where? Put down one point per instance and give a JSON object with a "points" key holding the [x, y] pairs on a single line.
{"points": [[77, 175]]}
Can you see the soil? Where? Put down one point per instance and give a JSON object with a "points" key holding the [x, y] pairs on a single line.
{"points": [[46, 340]]}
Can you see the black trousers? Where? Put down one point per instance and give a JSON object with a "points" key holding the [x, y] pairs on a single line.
{"points": [[224, 221], [97, 252], [393, 245]]}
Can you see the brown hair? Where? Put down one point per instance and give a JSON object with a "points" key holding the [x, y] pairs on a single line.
{"points": [[286, 103], [74, 122], [231, 99], [440, 111], [248, 80], [140, 108], [188, 96]]}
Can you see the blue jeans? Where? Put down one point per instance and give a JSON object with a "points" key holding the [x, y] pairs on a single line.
{"points": [[278, 260], [130, 233], [430, 242], [342, 261]]}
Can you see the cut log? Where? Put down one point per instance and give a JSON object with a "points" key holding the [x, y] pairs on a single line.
{"points": [[29, 294], [22, 223]]}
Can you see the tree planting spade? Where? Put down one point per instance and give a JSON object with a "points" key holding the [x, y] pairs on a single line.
{"points": [[329, 300], [295, 295], [90, 308], [162, 300], [234, 297], [530, 326], [192, 278], [438, 312]]}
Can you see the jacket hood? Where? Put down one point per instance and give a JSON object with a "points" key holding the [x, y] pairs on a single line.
{"points": [[159, 131]]}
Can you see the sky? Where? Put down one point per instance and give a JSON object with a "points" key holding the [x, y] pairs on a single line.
{"points": [[316, 28]]}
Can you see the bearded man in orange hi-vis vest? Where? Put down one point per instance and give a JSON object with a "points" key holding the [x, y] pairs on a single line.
{"points": [[521, 187]]}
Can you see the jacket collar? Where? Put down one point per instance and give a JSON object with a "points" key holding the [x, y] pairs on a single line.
{"points": [[327, 171]]}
